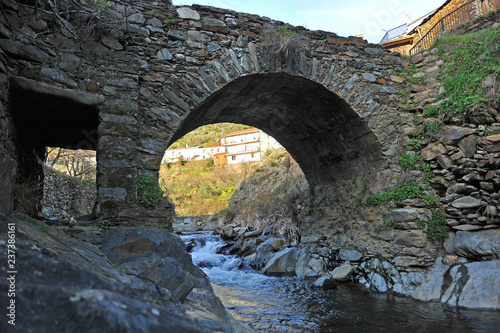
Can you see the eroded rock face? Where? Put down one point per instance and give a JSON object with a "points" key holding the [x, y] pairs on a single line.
{"points": [[137, 288]]}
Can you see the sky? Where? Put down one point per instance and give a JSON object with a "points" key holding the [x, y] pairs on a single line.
{"points": [[343, 17]]}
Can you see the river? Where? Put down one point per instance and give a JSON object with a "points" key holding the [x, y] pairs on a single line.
{"points": [[289, 304]]}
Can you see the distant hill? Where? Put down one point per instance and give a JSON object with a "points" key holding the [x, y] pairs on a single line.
{"points": [[208, 135]]}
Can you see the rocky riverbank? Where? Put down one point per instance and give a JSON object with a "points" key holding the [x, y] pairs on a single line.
{"points": [[452, 280], [129, 280]]}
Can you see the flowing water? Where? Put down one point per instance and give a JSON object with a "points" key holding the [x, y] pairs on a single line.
{"points": [[286, 304]]}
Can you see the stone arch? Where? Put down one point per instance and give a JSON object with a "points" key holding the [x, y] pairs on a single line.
{"points": [[322, 132]]}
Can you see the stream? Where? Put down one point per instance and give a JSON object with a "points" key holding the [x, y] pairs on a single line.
{"points": [[289, 304]]}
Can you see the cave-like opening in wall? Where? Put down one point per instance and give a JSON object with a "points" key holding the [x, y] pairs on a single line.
{"points": [[320, 130], [50, 121]]}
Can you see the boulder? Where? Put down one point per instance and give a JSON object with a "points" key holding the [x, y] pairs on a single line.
{"points": [[188, 13], [74, 281], [281, 263], [378, 282], [342, 273], [264, 252], [474, 286], [429, 289], [350, 255], [479, 244]]}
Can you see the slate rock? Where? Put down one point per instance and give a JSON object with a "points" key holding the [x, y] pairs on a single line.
{"points": [[23, 51], [474, 286], [484, 243], [467, 202]]}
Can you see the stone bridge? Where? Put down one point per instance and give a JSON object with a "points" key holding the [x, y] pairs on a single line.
{"points": [[131, 89]]}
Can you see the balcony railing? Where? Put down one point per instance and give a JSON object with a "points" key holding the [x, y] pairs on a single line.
{"points": [[394, 33], [450, 21]]}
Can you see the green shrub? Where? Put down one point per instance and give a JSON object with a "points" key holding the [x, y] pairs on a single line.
{"points": [[435, 226], [282, 29], [414, 144], [408, 160], [431, 111], [430, 129], [407, 191], [426, 169], [148, 193]]}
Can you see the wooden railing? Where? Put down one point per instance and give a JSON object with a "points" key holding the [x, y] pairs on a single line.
{"points": [[450, 21]]}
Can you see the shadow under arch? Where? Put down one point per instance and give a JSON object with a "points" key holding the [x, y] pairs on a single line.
{"points": [[326, 137]]}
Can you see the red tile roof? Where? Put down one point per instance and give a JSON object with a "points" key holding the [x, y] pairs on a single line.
{"points": [[250, 130]]}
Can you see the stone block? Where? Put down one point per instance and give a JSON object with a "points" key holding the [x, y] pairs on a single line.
{"points": [[188, 13], [432, 151], [467, 202], [490, 143], [468, 145]]}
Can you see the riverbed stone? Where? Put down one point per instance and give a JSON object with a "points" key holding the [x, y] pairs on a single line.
{"points": [[342, 273], [282, 262], [378, 282], [430, 288]]}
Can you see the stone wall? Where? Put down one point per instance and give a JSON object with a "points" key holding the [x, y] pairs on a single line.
{"points": [[65, 196]]}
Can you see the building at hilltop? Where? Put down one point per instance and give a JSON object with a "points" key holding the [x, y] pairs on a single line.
{"points": [[236, 147], [420, 34]]}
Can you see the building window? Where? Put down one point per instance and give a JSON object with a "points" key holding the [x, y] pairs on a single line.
{"points": [[253, 155], [233, 158]]}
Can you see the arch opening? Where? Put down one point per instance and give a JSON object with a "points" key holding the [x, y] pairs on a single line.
{"points": [[201, 171], [326, 137]]}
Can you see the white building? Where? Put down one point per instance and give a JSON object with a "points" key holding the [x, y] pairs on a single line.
{"points": [[241, 146], [191, 153], [247, 145]]}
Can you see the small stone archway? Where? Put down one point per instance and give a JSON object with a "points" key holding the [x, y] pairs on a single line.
{"points": [[326, 137]]}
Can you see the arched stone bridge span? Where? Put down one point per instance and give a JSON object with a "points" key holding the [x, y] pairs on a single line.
{"points": [[168, 70], [319, 129]]}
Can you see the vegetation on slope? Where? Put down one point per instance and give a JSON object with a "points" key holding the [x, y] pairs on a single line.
{"points": [[207, 136], [471, 59], [198, 188]]}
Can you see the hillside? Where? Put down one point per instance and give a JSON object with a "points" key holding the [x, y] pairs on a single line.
{"points": [[207, 136]]}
